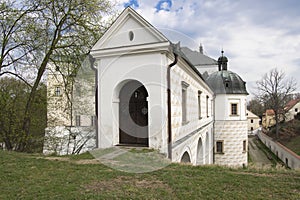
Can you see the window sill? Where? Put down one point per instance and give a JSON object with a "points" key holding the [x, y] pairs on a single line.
{"points": [[220, 153], [234, 115], [184, 123]]}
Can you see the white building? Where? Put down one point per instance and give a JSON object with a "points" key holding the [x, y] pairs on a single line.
{"points": [[150, 94], [292, 109], [230, 129], [253, 122]]}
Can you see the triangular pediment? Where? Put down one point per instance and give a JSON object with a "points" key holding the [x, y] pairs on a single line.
{"points": [[129, 29]]}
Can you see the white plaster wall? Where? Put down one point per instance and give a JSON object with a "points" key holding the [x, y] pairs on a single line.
{"points": [[181, 73], [290, 115], [190, 146], [182, 131], [58, 107], [255, 123], [113, 73], [141, 35], [232, 133], [63, 140], [223, 106]]}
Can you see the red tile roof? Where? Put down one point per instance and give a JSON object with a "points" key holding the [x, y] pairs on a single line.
{"points": [[291, 103], [270, 112]]}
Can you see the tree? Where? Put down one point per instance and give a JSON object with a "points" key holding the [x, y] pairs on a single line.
{"points": [[273, 90], [13, 95], [56, 31], [255, 106]]}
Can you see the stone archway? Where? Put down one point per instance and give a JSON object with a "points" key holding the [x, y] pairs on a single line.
{"points": [[186, 158], [133, 114], [200, 160]]}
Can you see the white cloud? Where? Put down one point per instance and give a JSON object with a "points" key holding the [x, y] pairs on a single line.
{"points": [[256, 35]]}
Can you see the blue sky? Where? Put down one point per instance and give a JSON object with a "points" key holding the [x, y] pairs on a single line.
{"points": [[256, 35]]}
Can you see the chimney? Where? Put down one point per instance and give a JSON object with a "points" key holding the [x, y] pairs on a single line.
{"points": [[201, 49]]}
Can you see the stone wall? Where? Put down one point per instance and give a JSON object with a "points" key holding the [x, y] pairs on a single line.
{"points": [[290, 158]]}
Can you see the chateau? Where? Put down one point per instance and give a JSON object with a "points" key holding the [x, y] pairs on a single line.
{"points": [[138, 88]]}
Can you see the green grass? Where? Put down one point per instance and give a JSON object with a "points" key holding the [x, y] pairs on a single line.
{"points": [[273, 158], [294, 145], [29, 176]]}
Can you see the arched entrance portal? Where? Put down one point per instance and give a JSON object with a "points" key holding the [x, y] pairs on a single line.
{"points": [[133, 114]]}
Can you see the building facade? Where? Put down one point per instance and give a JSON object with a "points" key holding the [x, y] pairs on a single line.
{"points": [[230, 130], [253, 122], [150, 94]]}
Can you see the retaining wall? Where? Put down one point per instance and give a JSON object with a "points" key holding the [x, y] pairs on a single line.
{"points": [[290, 158]]}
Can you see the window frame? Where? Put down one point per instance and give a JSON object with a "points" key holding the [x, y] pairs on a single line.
{"points": [[207, 112], [77, 120], [57, 91], [199, 105], [222, 147], [231, 109], [244, 146], [184, 97]]}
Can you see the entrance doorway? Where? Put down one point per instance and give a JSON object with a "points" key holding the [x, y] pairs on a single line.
{"points": [[133, 114]]}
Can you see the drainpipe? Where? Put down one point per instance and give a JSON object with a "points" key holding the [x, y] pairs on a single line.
{"points": [[169, 106], [213, 133], [92, 61]]}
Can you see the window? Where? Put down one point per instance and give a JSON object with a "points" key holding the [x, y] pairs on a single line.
{"points": [[219, 147], [77, 120], [93, 120], [244, 146], [227, 84], [184, 101], [199, 104], [234, 110], [207, 97], [57, 91], [251, 121], [296, 109], [252, 128]]}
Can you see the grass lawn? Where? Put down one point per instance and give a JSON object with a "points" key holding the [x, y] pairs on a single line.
{"points": [[294, 145], [29, 176]]}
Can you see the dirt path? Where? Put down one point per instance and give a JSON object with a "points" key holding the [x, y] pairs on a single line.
{"points": [[257, 156]]}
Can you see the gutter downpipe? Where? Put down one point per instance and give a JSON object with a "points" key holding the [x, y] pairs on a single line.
{"points": [[213, 133], [92, 61], [169, 106]]}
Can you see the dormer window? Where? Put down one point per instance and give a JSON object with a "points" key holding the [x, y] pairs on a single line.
{"points": [[226, 84]]}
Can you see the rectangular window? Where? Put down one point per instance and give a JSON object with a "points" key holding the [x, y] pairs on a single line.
{"points": [[219, 147], [93, 120], [252, 121], [207, 98], [296, 109], [199, 104], [234, 109], [184, 101], [77, 120], [244, 146], [57, 91]]}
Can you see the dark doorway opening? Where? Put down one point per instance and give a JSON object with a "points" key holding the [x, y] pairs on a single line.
{"points": [[133, 115]]}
